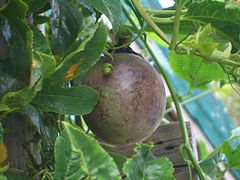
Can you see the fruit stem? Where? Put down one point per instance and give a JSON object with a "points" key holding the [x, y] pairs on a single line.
{"points": [[175, 100], [155, 28]]}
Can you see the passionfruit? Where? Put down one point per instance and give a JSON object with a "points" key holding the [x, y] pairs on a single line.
{"points": [[131, 103]]}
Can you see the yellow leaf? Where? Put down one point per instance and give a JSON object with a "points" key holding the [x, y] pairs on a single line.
{"points": [[3, 152]]}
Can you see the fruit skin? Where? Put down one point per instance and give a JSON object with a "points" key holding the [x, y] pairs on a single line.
{"points": [[131, 103]]}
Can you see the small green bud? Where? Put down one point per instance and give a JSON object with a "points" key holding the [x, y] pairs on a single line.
{"points": [[107, 69]]}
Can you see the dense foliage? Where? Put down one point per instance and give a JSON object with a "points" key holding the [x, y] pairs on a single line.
{"points": [[46, 49]]}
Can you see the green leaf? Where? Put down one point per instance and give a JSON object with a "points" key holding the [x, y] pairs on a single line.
{"points": [[39, 19], [8, 84], [94, 160], [66, 23], [4, 168], [119, 160], [233, 155], [20, 10], [87, 32], [67, 162], [19, 38], [76, 100], [4, 107], [19, 99], [161, 168], [3, 4], [13, 101], [35, 5], [232, 5], [143, 165], [79, 62], [202, 149], [39, 41], [2, 177], [194, 70], [16, 175], [48, 133], [111, 8], [226, 21], [3, 153], [43, 65]]}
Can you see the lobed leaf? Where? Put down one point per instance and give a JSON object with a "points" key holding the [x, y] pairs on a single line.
{"points": [[194, 70], [143, 165], [226, 21]]}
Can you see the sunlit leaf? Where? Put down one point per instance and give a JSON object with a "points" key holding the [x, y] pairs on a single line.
{"points": [[233, 155], [195, 71]]}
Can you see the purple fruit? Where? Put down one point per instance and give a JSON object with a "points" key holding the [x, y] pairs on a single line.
{"points": [[131, 103]]}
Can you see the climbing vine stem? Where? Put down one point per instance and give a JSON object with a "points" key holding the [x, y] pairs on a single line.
{"points": [[183, 127], [176, 24], [145, 16]]}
